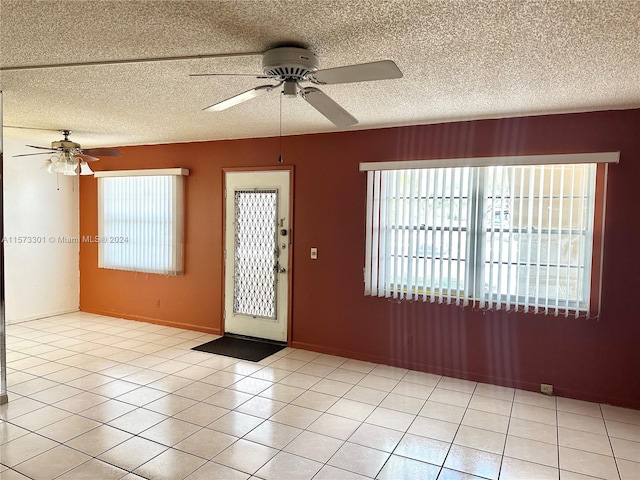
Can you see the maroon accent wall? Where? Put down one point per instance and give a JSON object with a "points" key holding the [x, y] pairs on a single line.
{"points": [[596, 360]]}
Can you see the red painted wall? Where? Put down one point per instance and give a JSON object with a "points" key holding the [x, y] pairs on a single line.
{"points": [[592, 360]]}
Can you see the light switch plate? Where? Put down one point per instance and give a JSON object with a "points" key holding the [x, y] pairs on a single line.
{"points": [[314, 253]]}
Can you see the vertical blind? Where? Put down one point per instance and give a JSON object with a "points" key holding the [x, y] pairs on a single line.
{"points": [[140, 221], [511, 237]]}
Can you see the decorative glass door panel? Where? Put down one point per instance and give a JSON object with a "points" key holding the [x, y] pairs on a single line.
{"points": [[254, 290]]}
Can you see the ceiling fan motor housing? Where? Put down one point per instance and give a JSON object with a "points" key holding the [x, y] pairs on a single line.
{"points": [[289, 63], [65, 145]]}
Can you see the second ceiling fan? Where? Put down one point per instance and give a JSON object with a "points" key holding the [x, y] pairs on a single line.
{"points": [[68, 157], [289, 66]]}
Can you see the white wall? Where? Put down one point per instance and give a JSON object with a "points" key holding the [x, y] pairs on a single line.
{"points": [[42, 279]]}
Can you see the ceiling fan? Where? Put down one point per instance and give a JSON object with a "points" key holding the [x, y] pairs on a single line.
{"points": [[289, 66], [69, 158]]}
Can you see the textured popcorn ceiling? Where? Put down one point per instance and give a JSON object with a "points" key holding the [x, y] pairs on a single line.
{"points": [[460, 59]]}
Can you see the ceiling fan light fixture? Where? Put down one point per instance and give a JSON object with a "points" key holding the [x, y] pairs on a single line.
{"points": [[48, 165], [65, 164], [59, 163], [290, 88], [85, 169]]}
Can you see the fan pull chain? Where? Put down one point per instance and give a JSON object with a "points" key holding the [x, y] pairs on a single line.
{"points": [[280, 137]]}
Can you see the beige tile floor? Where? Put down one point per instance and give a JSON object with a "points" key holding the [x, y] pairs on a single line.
{"points": [[101, 398]]}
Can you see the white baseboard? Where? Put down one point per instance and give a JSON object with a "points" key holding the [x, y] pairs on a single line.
{"points": [[13, 321]]}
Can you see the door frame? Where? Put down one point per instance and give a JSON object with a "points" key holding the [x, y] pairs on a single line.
{"points": [[283, 168]]}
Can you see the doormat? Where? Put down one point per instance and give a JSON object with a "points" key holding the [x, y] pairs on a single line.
{"points": [[243, 348]]}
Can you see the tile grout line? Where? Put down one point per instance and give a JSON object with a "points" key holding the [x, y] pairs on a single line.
{"points": [[557, 435], [506, 436], [606, 429]]}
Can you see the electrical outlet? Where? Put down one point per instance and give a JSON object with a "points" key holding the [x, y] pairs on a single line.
{"points": [[546, 389], [156, 303]]}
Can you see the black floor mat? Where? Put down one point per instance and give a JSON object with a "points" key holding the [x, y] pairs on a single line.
{"points": [[243, 348]]}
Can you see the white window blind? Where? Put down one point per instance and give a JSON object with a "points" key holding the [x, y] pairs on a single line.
{"points": [[514, 237], [140, 220]]}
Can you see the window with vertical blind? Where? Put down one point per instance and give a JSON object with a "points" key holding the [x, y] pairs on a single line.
{"points": [[140, 220], [505, 233]]}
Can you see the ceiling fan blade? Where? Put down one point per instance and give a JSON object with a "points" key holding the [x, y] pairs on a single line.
{"points": [[242, 97], [101, 152], [32, 128], [227, 75], [42, 148], [364, 72], [29, 154], [86, 158], [327, 107]]}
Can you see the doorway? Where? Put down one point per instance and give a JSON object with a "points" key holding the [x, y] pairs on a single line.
{"points": [[257, 252]]}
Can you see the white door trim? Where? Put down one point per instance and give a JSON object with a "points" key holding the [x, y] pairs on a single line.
{"points": [[229, 322]]}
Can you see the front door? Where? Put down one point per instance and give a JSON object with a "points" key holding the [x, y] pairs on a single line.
{"points": [[257, 253]]}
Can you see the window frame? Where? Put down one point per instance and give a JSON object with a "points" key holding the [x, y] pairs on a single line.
{"points": [[476, 261]]}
